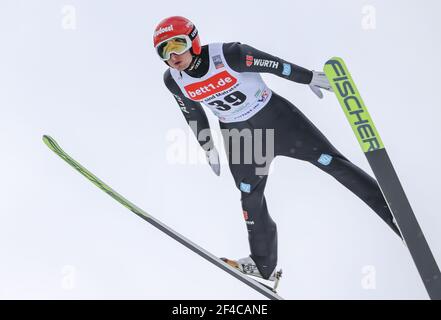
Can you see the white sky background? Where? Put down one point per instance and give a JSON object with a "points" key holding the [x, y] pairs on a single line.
{"points": [[98, 91]]}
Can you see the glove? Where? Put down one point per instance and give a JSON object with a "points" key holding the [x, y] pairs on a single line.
{"points": [[319, 81], [213, 160]]}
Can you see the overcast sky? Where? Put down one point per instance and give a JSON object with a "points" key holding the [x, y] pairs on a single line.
{"points": [[86, 73]]}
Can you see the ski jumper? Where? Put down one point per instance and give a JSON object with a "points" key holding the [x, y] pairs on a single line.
{"points": [[226, 79]]}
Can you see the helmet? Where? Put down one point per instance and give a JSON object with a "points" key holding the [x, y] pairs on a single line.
{"points": [[177, 26]]}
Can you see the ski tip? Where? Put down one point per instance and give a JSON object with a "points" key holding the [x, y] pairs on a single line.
{"points": [[335, 59], [47, 139], [334, 66], [51, 143]]}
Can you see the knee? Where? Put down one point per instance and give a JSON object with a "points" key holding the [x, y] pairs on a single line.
{"points": [[251, 189], [255, 210], [254, 206], [334, 164], [328, 159]]}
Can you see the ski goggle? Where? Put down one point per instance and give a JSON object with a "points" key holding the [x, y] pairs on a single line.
{"points": [[177, 45]]}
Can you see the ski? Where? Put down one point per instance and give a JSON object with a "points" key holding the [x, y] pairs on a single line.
{"points": [[261, 288], [375, 152]]}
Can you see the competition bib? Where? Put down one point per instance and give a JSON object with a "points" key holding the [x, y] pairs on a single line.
{"points": [[230, 95]]}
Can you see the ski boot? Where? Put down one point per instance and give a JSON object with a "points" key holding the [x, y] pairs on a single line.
{"points": [[248, 266]]}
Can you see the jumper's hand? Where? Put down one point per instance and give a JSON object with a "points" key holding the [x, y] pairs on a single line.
{"points": [[319, 81], [213, 160]]}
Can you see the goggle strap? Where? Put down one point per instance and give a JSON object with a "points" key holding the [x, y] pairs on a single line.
{"points": [[193, 34]]}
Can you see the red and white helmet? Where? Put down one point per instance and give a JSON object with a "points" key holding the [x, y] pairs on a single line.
{"points": [[176, 27]]}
